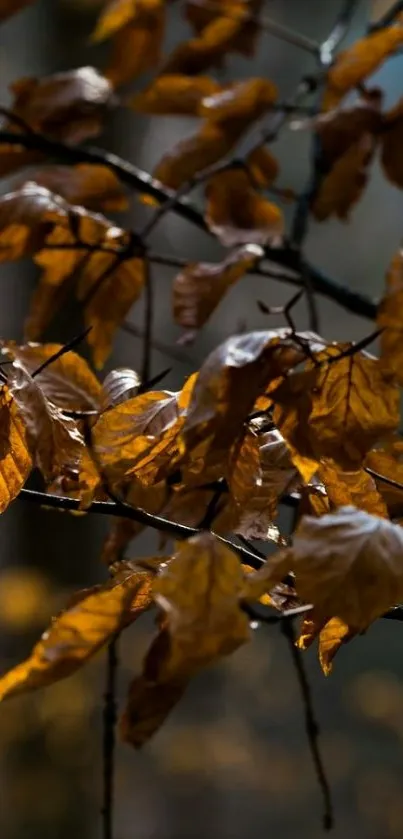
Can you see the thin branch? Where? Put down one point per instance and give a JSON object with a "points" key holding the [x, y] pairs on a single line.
{"points": [[109, 744], [339, 31], [311, 725], [63, 350], [378, 477]]}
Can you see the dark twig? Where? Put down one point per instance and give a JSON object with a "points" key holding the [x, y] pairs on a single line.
{"points": [[311, 725], [388, 18], [109, 723], [339, 31], [63, 350]]}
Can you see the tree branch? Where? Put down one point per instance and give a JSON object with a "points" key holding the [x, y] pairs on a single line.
{"points": [[109, 723]]}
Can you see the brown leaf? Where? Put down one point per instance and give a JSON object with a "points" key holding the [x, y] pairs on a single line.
{"points": [[68, 381], [92, 186], [15, 458], [390, 319], [346, 181], [194, 154], [237, 214], [356, 489], [338, 410], [119, 386], [353, 65], [74, 636], [148, 706], [26, 216], [199, 593], [11, 7], [68, 106], [246, 101], [332, 635], [228, 384], [262, 166], [200, 287], [200, 14], [348, 564], [174, 94], [138, 32], [391, 143], [342, 127], [388, 461]]}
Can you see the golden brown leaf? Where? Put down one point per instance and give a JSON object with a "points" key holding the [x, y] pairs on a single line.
{"points": [[353, 65], [66, 106], [148, 705], [346, 181], [194, 154], [237, 214], [338, 410], [199, 593], [68, 381], [390, 319], [115, 15], [388, 462], [200, 14], [15, 458], [119, 386], [74, 636], [246, 101], [26, 215], [262, 166], [332, 635], [137, 45], [92, 186], [348, 564], [174, 94], [200, 287], [356, 489], [11, 7]]}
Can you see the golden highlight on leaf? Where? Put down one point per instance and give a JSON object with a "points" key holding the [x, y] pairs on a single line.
{"points": [[92, 186], [15, 457], [237, 214], [174, 94]]}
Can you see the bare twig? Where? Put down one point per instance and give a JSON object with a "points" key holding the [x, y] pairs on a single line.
{"points": [[109, 723]]}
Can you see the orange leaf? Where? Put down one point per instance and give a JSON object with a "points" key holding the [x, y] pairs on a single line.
{"points": [[194, 154], [137, 46], [238, 215], [346, 181], [174, 94], [200, 14], [355, 488], [15, 458], [262, 166], [92, 186], [391, 141], [246, 101], [25, 217], [390, 319], [332, 635]]}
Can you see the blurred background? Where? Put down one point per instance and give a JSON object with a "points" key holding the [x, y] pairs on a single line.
{"points": [[232, 760]]}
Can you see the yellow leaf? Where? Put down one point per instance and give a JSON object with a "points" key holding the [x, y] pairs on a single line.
{"points": [[332, 635], [15, 458], [174, 94], [25, 215], [237, 214], [246, 101], [351, 488], [113, 17], [388, 461]]}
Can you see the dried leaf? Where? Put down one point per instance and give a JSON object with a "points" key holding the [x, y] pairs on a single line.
{"points": [[332, 635], [237, 214], [262, 166], [346, 181], [246, 101], [390, 319], [68, 381], [26, 216], [353, 65], [115, 15], [15, 458], [92, 186], [388, 462], [73, 637], [67, 106], [137, 44], [192, 155], [200, 14], [391, 141], [119, 386], [174, 94], [148, 706], [348, 564], [11, 7], [338, 410], [355, 489], [200, 287]]}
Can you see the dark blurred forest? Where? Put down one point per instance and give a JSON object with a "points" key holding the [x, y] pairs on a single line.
{"points": [[232, 761]]}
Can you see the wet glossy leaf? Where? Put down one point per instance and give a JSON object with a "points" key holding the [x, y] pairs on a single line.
{"points": [[26, 216], [66, 106], [353, 65], [92, 186], [68, 381], [237, 214], [174, 94], [200, 287], [74, 636], [15, 457]]}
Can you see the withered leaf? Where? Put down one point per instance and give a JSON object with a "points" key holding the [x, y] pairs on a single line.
{"points": [[26, 216], [262, 166], [338, 410], [74, 636], [138, 30], [11, 7], [66, 106], [119, 386], [92, 186], [331, 636], [192, 155], [67, 381], [387, 460], [199, 593], [15, 457], [343, 186], [200, 287], [246, 101], [390, 319], [237, 214], [357, 489], [174, 94], [200, 14], [353, 65]]}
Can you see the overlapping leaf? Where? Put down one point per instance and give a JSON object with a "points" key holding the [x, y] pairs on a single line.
{"points": [[331, 636], [15, 457], [137, 29], [390, 319], [237, 214], [391, 141], [201, 14], [91, 186], [174, 94]]}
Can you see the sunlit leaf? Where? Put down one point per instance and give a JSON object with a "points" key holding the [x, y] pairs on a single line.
{"points": [[138, 31], [331, 636], [26, 215], [119, 386], [92, 186], [387, 460], [15, 457], [237, 214], [356, 489], [200, 287], [174, 94], [245, 101]]}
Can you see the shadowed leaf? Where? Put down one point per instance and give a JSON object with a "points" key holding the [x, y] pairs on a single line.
{"points": [[237, 214]]}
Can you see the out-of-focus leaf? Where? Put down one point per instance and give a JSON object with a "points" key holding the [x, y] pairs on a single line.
{"points": [[66, 106], [200, 287], [342, 127], [390, 319], [391, 142], [237, 214], [346, 181], [228, 384], [338, 410], [115, 15], [353, 65], [75, 635], [11, 7], [174, 94], [148, 705], [332, 635], [356, 489], [26, 216], [194, 154], [388, 461], [92, 186], [138, 30], [15, 457], [200, 14], [246, 101], [119, 386], [68, 381], [262, 166]]}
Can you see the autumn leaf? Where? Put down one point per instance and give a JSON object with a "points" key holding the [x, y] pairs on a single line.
{"points": [[119, 386], [67, 381], [200, 14], [331, 636], [92, 186], [200, 287], [174, 94], [147, 708], [387, 461], [342, 127], [237, 214], [390, 319], [15, 457], [68, 106], [194, 154], [228, 384], [337, 410], [11, 7], [26, 216], [353, 65], [342, 188], [391, 142], [262, 166], [246, 101], [357, 489], [76, 635], [137, 29]]}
